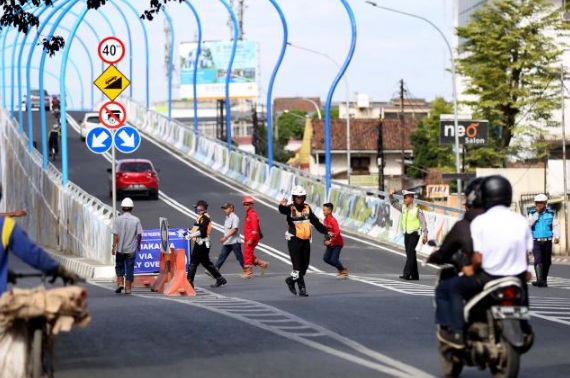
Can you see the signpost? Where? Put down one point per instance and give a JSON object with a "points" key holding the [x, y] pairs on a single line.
{"points": [[112, 115]]}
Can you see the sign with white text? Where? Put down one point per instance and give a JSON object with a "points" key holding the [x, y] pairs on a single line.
{"points": [[470, 132], [148, 258]]}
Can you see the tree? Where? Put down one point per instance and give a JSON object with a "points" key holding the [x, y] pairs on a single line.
{"points": [[425, 141], [22, 19], [511, 61]]}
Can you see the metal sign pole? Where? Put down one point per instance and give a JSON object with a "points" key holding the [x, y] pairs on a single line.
{"points": [[114, 180]]}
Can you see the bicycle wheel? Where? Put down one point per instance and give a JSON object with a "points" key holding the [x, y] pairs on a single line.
{"points": [[36, 354]]}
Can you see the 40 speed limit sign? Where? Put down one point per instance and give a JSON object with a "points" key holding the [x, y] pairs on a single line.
{"points": [[111, 50]]}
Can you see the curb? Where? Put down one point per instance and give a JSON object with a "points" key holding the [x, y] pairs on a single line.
{"points": [[85, 267]]}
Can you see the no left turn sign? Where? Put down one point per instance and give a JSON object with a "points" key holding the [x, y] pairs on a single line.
{"points": [[111, 50], [112, 115]]}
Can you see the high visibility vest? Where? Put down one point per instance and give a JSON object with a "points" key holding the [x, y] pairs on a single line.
{"points": [[542, 228], [301, 221], [410, 219]]}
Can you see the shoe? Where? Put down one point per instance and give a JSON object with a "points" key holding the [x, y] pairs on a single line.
{"points": [[342, 274], [219, 282], [413, 278], [404, 277], [453, 339], [291, 285]]}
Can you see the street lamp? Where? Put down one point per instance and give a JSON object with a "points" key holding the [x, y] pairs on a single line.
{"points": [[345, 77], [315, 105], [454, 85]]}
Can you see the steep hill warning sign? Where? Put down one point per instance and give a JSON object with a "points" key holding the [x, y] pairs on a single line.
{"points": [[112, 82]]}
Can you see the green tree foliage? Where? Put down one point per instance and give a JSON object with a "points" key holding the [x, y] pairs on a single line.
{"points": [[512, 64], [425, 141], [291, 125], [14, 15]]}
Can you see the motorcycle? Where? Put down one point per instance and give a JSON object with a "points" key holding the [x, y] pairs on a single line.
{"points": [[493, 333]]}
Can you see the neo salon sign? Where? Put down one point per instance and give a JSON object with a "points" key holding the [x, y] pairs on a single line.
{"points": [[470, 132]]}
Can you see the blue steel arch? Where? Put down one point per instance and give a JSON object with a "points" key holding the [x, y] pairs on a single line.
{"points": [[169, 20], [195, 74], [270, 87], [330, 95], [229, 74]]}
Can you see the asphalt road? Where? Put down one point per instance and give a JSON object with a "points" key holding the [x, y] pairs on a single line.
{"points": [[372, 325]]}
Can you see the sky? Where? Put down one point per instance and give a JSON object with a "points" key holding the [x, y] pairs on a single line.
{"points": [[389, 47]]}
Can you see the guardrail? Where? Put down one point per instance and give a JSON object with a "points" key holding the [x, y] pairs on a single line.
{"points": [[64, 219], [360, 210]]}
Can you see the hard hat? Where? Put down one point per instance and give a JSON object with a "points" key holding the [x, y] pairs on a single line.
{"points": [[248, 199], [127, 202], [541, 198], [298, 191], [408, 193]]}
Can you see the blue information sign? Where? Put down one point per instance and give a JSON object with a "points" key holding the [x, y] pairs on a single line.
{"points": [[127, 139], [99, 140], [148, 259]]}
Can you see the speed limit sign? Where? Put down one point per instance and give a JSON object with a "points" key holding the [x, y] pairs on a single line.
{"points": [[111, 50]]}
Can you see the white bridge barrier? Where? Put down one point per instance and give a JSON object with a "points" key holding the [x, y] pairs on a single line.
{"points": [[365, 212], [64, 219]]}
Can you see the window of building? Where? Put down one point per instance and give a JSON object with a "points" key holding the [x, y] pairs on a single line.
{"points": [[360, 165]]}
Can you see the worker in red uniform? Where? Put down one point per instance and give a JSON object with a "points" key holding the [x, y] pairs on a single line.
{"points": [[251, 236]]}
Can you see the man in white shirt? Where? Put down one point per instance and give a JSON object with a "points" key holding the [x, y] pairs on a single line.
{"points": [[501, 239], [230, 241]]}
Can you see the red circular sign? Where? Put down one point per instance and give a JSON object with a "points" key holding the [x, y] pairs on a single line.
{"points": [[112, 114], [111, 50]]}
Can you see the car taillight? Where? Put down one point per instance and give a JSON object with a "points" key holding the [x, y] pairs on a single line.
{"points": [[151, 175]]}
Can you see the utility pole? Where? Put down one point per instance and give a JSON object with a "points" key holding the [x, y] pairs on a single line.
{"points": [[240, 13], [403, 166], [380, 158]]}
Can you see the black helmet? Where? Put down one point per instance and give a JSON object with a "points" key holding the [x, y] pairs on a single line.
{"points": [[496, 190], [473, 196], [202, 203]]}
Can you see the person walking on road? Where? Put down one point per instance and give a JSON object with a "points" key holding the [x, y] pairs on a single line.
{"points": [[333, 242], [200, 254], [251, 237], [413, 224], [127, 237], [300, 217], [230, 241], [545, 230]]}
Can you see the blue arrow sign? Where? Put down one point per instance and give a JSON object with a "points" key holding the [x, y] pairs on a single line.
{"points": [[99, 140], [127, 139]]}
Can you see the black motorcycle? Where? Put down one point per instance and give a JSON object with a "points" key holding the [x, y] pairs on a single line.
{"points": [[493, 333]]}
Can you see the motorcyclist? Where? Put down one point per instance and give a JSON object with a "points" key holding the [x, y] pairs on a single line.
{"points": [[14, 239], [501, 239], [456, 248]]}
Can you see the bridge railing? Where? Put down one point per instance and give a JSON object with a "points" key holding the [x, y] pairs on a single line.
{"points": [[360, 210], [65, 219]]}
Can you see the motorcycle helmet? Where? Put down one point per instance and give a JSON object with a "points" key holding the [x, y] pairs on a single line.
{"points": [[473, 193], [496, 190], [127, 203], [541, 198], [298, 191]]}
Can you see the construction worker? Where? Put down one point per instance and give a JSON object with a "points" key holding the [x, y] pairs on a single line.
{"points": [[298, 235], [200, 254], [127, 237], [413, 224], [251, 237], [544, 225]]}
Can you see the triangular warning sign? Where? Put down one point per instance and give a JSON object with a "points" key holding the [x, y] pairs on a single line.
{"points": [[116, 84]]}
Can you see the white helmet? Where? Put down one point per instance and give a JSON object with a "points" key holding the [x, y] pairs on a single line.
{"points": [[127, 202], [298, 190], [541, 198]]}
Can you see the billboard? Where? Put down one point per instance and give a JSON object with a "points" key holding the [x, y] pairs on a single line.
{"points": [[212, 67], [470, 132]]}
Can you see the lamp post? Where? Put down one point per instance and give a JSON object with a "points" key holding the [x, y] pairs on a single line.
{"points": [[315, 105], [347, 103], [454, 85]]}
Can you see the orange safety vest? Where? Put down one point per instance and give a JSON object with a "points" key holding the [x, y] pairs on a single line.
{"points": [[301, 221]]}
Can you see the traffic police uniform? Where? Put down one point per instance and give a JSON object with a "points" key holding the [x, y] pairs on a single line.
{"points": [[544, 226]]}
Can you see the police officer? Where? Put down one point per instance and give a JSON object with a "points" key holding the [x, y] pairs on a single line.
{"points": [[200, 254], [544, 225], [413, 224], [300, 217]]}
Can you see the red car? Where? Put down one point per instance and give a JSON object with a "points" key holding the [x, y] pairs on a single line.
{"points": [[135, 177]]}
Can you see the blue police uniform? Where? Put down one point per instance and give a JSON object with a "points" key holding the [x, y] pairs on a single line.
{"points": [[544, 226], [15, 239]]}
